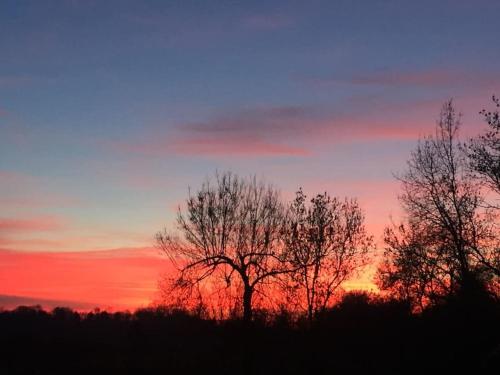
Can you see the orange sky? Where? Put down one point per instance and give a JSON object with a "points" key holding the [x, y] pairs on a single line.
{"points": [[113, 279]]}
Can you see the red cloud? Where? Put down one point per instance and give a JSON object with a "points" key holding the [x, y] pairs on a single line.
{"points": [[42, 223]]}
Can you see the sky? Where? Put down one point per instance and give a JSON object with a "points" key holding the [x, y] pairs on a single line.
{"points": [[110, 110]]}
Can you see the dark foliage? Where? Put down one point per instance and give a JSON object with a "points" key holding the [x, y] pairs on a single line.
{"points": [[359, 335]]}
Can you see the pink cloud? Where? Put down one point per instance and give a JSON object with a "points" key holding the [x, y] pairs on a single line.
{"points": [[296, 130], [268, 131], [35, 224], [293, 137], [214, 146]]}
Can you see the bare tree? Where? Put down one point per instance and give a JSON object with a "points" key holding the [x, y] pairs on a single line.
{"points": [[326, 243], [448, 241], [484, 150], [413, 267], [231, 228]]}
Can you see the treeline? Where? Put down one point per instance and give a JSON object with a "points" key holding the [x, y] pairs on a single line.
{"points": [[359, 334], [238, 241]]}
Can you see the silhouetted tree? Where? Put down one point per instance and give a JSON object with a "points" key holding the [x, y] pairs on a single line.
{"points": [[484, 150], [326, 243], [448, 240], [231, 229]]}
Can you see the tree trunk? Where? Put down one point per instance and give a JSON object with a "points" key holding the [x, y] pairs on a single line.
{"points": [[247, 303], [310, 312]]}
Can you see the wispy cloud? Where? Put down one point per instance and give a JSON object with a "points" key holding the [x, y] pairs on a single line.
{"points": [[281, 131], [429, 78], [34, 224], [256, 131], [30, 243], [23, 191], [432, 78], [235, 146], [269, 131]]}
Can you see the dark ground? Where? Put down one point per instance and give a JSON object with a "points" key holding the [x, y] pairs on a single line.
{"points": [[357, 336]]}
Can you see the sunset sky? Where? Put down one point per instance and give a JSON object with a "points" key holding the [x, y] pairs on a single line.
{"points": [[109, 110]]}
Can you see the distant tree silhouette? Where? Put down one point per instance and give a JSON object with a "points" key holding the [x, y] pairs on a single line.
{"points": [[362, 333], [484, 150], [448, 241], [326, 244], [231, 228]]}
